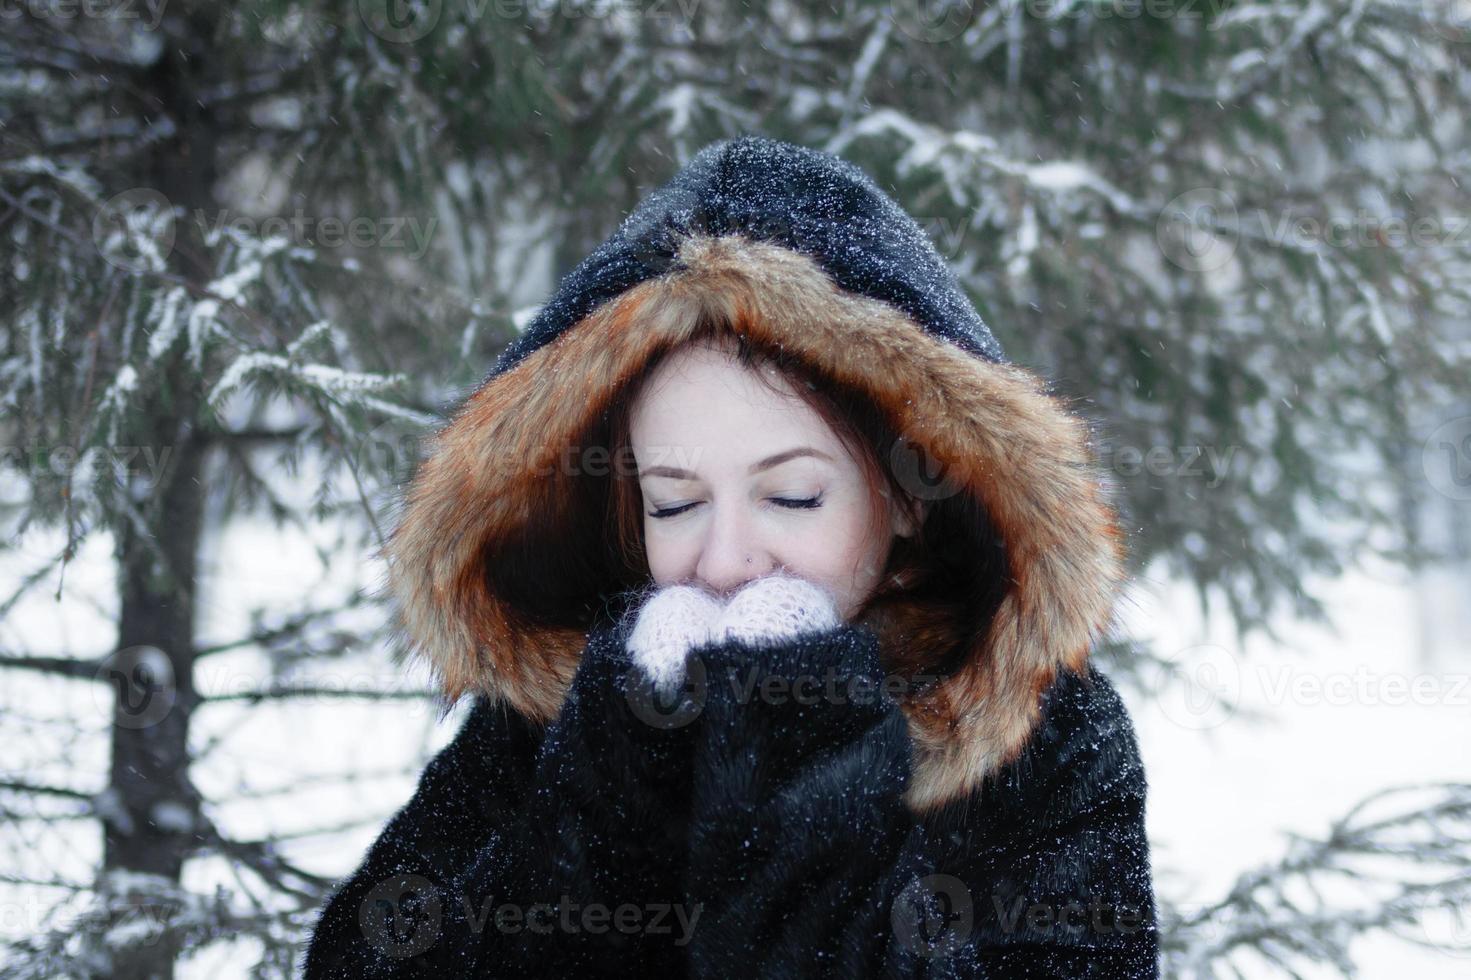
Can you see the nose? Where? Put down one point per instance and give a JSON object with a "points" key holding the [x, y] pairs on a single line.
{"points": [[732, 554]]}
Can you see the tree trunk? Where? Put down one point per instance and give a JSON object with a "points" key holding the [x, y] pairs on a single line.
{"points": [[151, 821]]}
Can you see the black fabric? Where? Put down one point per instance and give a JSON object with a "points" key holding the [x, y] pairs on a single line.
{"points": [[756, 825], [810, 201]]}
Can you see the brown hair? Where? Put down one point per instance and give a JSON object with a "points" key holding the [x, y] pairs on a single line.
{"points": [[934, 582]]}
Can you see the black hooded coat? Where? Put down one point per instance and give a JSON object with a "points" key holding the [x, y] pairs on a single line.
{"points": [[790, 814]]}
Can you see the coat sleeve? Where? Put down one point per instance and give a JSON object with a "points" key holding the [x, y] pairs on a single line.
{"points": [[523, 852], [805, 861]]}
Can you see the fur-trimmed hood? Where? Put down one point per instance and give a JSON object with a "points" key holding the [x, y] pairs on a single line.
{"points": [[800, 250]]}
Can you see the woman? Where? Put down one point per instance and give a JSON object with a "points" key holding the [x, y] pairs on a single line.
{"points": [[738, 708]]}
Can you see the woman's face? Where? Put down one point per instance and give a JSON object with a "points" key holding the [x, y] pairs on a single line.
{"points": [[739, 481]]}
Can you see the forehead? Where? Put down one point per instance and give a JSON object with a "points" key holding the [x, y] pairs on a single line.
{"points": [[703, 396]]}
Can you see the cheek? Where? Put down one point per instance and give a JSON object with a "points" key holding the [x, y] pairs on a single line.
{"points": [[836, 547], [656, 554], [665, 557]]}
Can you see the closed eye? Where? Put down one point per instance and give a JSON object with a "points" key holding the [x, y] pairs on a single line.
{"points": [[671, 511], [801, 503]]}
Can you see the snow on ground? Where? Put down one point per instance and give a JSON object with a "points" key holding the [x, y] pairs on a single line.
{"points": [[1351, 712]]}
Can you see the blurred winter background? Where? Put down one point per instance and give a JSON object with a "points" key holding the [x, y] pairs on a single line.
{"points": [[251, 252]]}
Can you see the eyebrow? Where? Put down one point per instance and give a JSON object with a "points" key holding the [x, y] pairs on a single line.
{"points": [[765, 464]]}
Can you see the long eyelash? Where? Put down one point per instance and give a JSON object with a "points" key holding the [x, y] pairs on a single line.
{"points": [[805, 503]]}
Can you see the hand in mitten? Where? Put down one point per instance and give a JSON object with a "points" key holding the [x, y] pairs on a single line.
{"points": [[777, 606], [679, 618], [672, 621]]}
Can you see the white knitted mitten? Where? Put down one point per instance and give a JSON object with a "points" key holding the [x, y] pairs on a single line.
{"points": [[777, 606], [672, 621]]}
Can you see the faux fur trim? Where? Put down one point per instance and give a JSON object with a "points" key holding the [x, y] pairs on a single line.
{"points": [[1016, 448]]}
